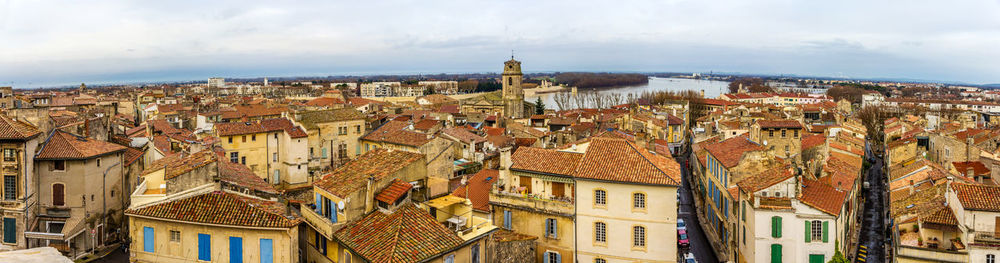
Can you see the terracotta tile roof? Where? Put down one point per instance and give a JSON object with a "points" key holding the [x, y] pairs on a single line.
{"points": [[395, 132], [220, 208], [11, 129], [425, 124], [463, 135], [311, 118], [978, 168], [379, 163], [730, 151], [241, 175], [132, 155], [978, 197], [674, 120], [407, 235], [822, 196], [847, 148], [525, 141], [394, 191], [479, 186], [943, 216], [547, 161], [809, 141], [65, 146], [766, 178], [268, 125], [619, 160], [793, 124], [324, 102], [494, 131]]}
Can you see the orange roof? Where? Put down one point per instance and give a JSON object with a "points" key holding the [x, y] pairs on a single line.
{"points": [[268, 125], [618, 160], [379, 163], [394, 191], [822, 196], [730, 151], [978, 167], [65, 146], [408, 234], [395, 132], [479, 189], [766, 178], [546, 161], [11, 129], [809, 141], [792, 124], [978, 197], [220, 208]]}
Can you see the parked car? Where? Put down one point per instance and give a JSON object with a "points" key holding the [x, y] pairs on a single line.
{"points": [[682, 238], [689, 258], [681, 225]]}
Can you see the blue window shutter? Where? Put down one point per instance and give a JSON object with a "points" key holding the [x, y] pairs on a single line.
{"points": [[558, 258], [319, 204], [506, 220], [148, 239], [324, 152], [266, 251], [555, 229], [333, 210], [235, 249], [545, 257], [204, 247]]}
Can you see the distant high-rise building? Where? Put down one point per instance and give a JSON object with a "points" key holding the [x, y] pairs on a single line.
{"points": [[216, 82], [513, 95]]}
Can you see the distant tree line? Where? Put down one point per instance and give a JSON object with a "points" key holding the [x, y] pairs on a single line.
{"points": [[586, 80], [852, 92], [749, 84]]}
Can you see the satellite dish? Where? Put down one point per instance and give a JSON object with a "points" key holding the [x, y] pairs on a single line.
{"points": [[340, 205]]}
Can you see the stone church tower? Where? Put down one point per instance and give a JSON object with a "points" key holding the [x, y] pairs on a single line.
{"points": [[513, 95]]}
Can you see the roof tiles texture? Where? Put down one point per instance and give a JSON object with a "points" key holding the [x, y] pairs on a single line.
{"points": [[545, 161], [407, 235], [11, 129], [978, 197], [478, 188], [618, 160], [65, 146], [220, 208], [354, 175]]}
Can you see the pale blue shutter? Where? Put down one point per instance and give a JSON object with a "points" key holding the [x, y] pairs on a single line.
{"points": [[266, 251], [545, 257], [319, 204], [506, 220], [333, 210], [555, 228], [558, 258], [148, 239]]}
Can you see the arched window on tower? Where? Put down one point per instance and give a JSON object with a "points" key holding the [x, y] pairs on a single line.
{"points": [[510, 81]]}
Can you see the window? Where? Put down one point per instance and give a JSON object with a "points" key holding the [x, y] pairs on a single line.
{"points": [[204, 247], [275, 136], [600, 260], [600, 197], [638, 236], [475, 253], [775, 253], [744, 235], [274, 156], [9, 230], [9, 155], [58, 195], [266, 250], [244, 137], [551, 257], [815, 229], [506, 219], [776, 226], [770, 133], [10, 187], [244, 160], [783, 133], [357, 129], [98, 162], [449, 259], [236, 249], [175, 236], [795, 134], [600, 232], [551, 228], [253, 137], [59, 165], [990, 258], [230, 139], [148, 239], [234, 157], [639, 201]]}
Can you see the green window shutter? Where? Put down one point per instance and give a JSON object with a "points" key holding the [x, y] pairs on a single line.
{"points": [[774, 226], [775, 253], [808, 231], [814, 258], [779, 226], [826, 229]]}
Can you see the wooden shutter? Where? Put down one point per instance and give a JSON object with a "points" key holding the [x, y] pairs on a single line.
{"points": [[826, 230], [58, 195], [808, 231], [545, 257], [204, 247], [776, 253]]}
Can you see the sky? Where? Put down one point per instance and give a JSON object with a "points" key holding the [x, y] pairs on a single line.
{"points": [[54, 42]]}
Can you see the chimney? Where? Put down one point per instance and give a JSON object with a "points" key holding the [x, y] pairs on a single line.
{"points": [[969, 172], [912, 189], [370, 194], [968, 148]]}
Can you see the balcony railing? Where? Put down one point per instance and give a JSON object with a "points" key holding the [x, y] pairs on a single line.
{"points": [[319, 222], [558, 205], [986, 238]]}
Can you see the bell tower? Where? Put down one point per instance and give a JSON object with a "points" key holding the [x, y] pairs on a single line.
{"points": [[513, 95]]}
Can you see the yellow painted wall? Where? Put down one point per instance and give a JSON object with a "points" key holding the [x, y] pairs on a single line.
{"points": [[254, 149], [532, 223], [285, 242], [659, 218]]}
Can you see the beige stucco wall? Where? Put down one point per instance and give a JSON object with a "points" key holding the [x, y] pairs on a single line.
{"points": [[659, 218], [186, 250]]}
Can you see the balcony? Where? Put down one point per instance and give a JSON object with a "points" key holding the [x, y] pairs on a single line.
{"points": [[556, 205], [983, 238], [320, 223]]}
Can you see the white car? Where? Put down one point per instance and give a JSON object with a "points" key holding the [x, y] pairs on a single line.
{"points": [[681, 225], [689, 258]]}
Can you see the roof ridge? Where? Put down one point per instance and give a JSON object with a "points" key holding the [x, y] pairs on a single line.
{"points": [[649, 161]]}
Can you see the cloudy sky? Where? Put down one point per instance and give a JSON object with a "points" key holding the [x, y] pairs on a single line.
{"points": [[61, 42]]}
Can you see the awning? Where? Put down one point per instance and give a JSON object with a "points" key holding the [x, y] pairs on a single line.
{"points": [[445, 201]]}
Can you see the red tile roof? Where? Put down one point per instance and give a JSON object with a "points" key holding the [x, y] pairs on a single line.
{"points": [[822, 196], [268, 125], [977, 167], [65, 146], [618, 160], [978, 197], [730, 151], [241, 175], [463, 135], [409, 234], [132, 155], [324, 102], [944, 216], [395, 132], [394, 191], [220, 208], [11, 129], [809, 141], [547, 161], [379, 163], [766, 178], [479, 186]]}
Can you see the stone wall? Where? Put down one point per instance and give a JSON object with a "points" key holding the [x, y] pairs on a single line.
{"points": [[518, 251]]}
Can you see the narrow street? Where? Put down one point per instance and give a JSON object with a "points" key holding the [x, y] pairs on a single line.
{"points": [[871, 246], [700, 247]]}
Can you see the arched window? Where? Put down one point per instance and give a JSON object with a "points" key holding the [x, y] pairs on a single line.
{"points": [[600, 197], [638, 236], [600, 232], [510, 81], [58, 195], [639, 200]]}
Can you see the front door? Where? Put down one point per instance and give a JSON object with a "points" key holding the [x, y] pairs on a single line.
{"points": [[816, 259]]}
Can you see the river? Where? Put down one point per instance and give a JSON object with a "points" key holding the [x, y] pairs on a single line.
{"points": [[712, 88]]}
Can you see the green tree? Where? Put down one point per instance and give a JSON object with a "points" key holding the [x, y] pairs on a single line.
{"points": [[539, 106], [838, 258]]}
